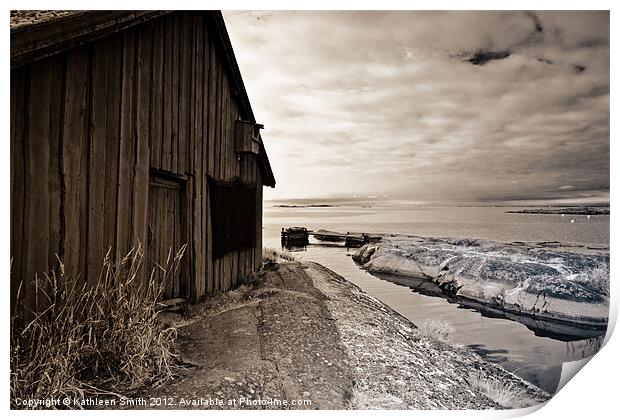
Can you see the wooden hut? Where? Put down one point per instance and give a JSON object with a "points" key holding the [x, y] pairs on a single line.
{"points": [[132, 127]]}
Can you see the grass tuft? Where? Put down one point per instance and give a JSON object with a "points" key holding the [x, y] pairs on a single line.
{"points": [[437, 329], [367, 399], [225, 301], [83, 340], [505, 394], [273, 256]]}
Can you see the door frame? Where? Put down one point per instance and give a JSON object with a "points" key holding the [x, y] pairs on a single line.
{"points": [[184, 181]]}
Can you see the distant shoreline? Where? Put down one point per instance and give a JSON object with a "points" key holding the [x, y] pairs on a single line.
{"points": [[564, 210]]}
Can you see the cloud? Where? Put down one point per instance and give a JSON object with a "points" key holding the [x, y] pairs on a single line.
{"points": [[480, 57], [578, 69], [429, 105]]}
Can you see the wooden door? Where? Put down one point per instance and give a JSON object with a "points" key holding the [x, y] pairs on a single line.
{"points": [[166, 233]]}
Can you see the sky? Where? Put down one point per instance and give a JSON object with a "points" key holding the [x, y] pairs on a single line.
{"points": [[430, 106]]}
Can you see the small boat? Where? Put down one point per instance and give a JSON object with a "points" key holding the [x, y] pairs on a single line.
{"points": [[350, 239]]}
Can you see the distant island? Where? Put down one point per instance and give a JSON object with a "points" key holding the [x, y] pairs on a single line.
{"points": [[565, 210], [303, 205]]}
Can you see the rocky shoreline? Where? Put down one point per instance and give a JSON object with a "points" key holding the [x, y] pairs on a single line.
{"points": [[400, 366], [564, 293], [302, 333]]}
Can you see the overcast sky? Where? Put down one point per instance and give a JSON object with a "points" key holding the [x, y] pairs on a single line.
{"points": [[449, 106]]}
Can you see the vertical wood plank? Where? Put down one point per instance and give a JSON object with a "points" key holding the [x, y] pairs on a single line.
{"points": [[36, 214], [75, 143], [85, 162], [114, 51], [232, 158], [185, 95], [162, 232], [230, 135], [228, 163], [220, 285], [224, 162], [213, 87], [168, 242], [227, 272], [159, 230], [174, 197], [57, 69], [218, 123], [19, 104], [235, 268], [177, 52], [127, 144], [192, 103], [259, 223], [216, 275], [188, 279], [165, 238], [205, 285], [97, 162], [199, 228], [142, 153], [220, 164], [157, 104], [211, 83], [173, 235], [168, 64]]}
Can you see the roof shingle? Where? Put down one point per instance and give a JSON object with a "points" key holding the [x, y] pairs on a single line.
{"points": [[20, 18]]}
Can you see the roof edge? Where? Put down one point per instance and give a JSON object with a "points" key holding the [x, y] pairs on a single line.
{"points": [[240, 92], [40, 40], [217, 19], [268, 177]]}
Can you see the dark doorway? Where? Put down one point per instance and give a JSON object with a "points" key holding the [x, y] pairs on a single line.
{"points": [[233, 216], [167, 230]]}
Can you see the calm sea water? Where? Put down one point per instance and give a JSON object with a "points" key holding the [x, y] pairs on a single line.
{"points": [[509, 343], [468, 222]]}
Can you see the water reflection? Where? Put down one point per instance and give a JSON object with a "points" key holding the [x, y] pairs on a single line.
{"points": [[561, 331], [492, 355]]}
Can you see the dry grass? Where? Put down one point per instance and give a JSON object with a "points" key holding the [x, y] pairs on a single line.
{"points": [[82, 341], [366, 399], [271, 255], [225, 301], [436, 329], [505, 394]]}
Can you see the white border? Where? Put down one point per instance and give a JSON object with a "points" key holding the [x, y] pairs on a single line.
{"points": [[592, 394]]}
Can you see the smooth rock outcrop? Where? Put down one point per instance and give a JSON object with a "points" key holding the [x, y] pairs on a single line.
{"points": [[520, 279]]}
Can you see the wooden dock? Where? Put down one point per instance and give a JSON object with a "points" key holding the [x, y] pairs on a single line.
{"points": [[296, 236]]}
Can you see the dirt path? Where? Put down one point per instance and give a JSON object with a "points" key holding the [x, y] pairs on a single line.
{"points": [[303, 337], [278, 348]]}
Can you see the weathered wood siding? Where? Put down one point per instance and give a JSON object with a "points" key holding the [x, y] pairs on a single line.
{"points": [[89, 126]]}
